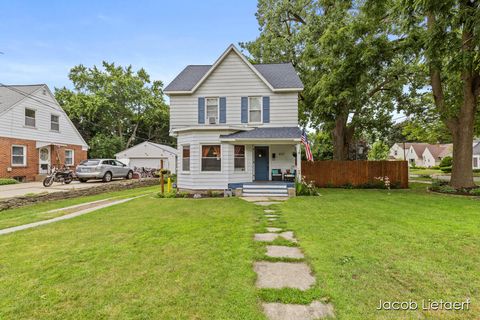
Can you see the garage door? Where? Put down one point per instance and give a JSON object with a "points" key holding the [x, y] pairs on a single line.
{"points": [[148, 163]]}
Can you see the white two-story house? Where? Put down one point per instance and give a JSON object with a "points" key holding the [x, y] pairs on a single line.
{"points": [[235, 123]]}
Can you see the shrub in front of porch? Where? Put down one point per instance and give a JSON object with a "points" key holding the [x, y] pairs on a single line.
{"points": [[7, 181]]}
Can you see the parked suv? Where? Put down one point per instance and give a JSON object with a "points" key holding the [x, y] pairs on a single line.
{"points": [[105, 169]]}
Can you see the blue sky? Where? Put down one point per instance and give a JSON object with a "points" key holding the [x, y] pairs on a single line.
{"points": [[42, 40]]}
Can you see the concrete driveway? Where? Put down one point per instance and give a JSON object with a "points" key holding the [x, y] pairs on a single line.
{"points": [[29, 188]]}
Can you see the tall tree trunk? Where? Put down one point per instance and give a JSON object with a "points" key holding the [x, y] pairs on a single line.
{"points": [[342, 138], [134, 134]]}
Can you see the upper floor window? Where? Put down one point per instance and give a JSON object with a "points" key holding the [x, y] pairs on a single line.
{"points": [[239, 161], [186, 158], [255, 109], [19, 156], [30, 117], [54, 122], [211, 158], [212, 110], [69, 157]]}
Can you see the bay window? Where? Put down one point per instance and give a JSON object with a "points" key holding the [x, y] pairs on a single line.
{"points": [[186, 158], [211, 158]]}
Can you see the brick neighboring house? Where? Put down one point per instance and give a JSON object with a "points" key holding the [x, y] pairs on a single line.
{"points": [[35, 133]]}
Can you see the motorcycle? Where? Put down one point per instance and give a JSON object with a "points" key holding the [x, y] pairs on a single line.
{"points": [[64, 175]]}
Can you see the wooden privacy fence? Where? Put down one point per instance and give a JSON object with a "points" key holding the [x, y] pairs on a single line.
{"points": [[332, 173]]}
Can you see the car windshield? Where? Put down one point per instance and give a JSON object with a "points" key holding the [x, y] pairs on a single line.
{"points": [[90, 163]]}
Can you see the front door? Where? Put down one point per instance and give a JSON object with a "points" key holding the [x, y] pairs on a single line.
{"points": [[43, 160], [261, 163]]}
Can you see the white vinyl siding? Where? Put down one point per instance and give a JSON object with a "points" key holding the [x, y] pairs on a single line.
{"points": [[19, 156], [233, 79], [12, 122]]}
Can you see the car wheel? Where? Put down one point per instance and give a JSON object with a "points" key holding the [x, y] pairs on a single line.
{"points": [[129, 175], [82, 180], [107, 177]]}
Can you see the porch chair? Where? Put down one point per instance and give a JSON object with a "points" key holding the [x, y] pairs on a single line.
{"points": [[277, 175], [290, 176]]}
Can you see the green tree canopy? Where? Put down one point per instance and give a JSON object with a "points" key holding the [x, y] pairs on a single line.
{"points": [[115, 105]]}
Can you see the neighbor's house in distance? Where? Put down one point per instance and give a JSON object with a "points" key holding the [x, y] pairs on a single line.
{"points": [[235, 123], [476, 155], [35, 133], [420, 154]]}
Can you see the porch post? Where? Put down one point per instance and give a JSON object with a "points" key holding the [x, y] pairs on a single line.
{"points": [[299, 162]]}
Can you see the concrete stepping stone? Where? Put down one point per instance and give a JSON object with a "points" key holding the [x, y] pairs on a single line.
{"points": [[272, 219], [284, 252], [313, 311], [271, 216], [265, 237], [273, 229], [277, 275], [288, 235], [269, 211]]}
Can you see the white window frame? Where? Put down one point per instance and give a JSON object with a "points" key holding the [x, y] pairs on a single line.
{"points": [[478, 162], [217, 118], [221, 157], [25, 117], [73, 157], [51, 122], [244, 158], [261, 109], [24, 164], [189, 158]]}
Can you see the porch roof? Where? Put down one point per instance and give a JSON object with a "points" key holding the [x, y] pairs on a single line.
{"points": [[267, 133]]}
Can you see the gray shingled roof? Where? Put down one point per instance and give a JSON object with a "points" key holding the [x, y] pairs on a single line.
{"points": [[267, 133], [279, 75], [188, 78], [11, 94]]}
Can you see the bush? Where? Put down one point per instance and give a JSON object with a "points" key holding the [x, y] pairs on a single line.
{"points": [[476, 170], [7, 181], [447, 189], [446, 169], [475, 192], [306, 188], [167, 195], [446, 162]]}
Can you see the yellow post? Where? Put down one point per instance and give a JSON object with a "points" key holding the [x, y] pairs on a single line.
{"points": [[169, 185]]}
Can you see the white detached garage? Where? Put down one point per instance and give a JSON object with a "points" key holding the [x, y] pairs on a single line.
{"points": [[149, 155]]}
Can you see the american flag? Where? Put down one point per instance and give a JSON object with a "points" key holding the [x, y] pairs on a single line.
{"points": [[308, 151]]}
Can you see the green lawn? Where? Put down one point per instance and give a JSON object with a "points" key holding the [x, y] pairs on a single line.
{"points": [[149, 258], [367, 245], [37, 212]]}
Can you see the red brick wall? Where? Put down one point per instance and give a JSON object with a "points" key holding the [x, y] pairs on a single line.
{"points": [[30, 171]]}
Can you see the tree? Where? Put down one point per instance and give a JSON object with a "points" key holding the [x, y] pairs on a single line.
{"points": [[378, 151], [115, 104], [446, 33], [351, 68]]}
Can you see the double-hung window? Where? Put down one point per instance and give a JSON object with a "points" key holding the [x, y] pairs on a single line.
{"points": [[30, 117], [239, 158], [69, 157], [54, 122], [186, 158], [19, 156], [212, 110], [211, 158], [255, 109]]}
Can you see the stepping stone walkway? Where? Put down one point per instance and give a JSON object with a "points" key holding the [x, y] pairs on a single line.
{"points": [[280, 311], [273, 229], [278, 275], [270, 236], [284, 252]]}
